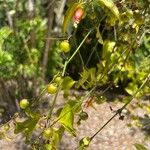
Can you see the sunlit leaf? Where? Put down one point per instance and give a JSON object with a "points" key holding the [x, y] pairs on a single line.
{"points": [[84, 76], [140, 147], [75, 105], [110, 5], [108, 47], [66, 118], [56, 137], [131, 88], [27, 126], [88, 78], [4, 33], [67, 83]]}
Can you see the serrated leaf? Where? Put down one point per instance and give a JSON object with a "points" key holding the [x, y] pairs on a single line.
{"points": [[140, 147], [110, 5], [88, 78], [27, 126], [84, 77], [66, 119], [67, 83], [69, 15]]}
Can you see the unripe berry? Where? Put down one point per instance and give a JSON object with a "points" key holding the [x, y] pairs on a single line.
{"points": [[58, 80], [65, 46], [83, 115], [51, 89], [24, 103]]}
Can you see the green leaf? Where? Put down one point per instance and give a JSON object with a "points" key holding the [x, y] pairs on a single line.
{"points": [[67, 83], [131, 88], [84, 77], [69, 15], [92, 72], [57, 135], [66, 118], [88, 78], [108, 47], [110, 5], [140, 147], [53, 135], [99, 36], [4, 33], [27, 126], [47, 147], [75, 105]]}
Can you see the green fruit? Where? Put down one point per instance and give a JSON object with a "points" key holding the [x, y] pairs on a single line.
{"points": [[47, 133], [65, 46], [83, 115], [51, 89], [84, 142], [24, 103], [58, 80]]}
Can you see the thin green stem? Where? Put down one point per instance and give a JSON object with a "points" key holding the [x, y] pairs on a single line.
{"points": [[53, 103], [80, 102], [63, 73], [79, 47], [64, 69], [94, 48], [86, 94]]}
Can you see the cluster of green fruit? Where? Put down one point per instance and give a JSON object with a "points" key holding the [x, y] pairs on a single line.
{"points": [[51, 89]]}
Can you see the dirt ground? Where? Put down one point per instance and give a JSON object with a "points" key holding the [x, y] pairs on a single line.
{"points": [[115, 136]]}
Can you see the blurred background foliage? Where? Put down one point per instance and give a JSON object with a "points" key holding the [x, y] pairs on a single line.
{"points": [[30, 32], [28, 57]]}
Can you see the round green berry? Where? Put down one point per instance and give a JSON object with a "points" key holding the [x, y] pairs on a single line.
{"points": [[58, 80], [51, 89], [83, 115], [65, 46], [24, 103]]}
